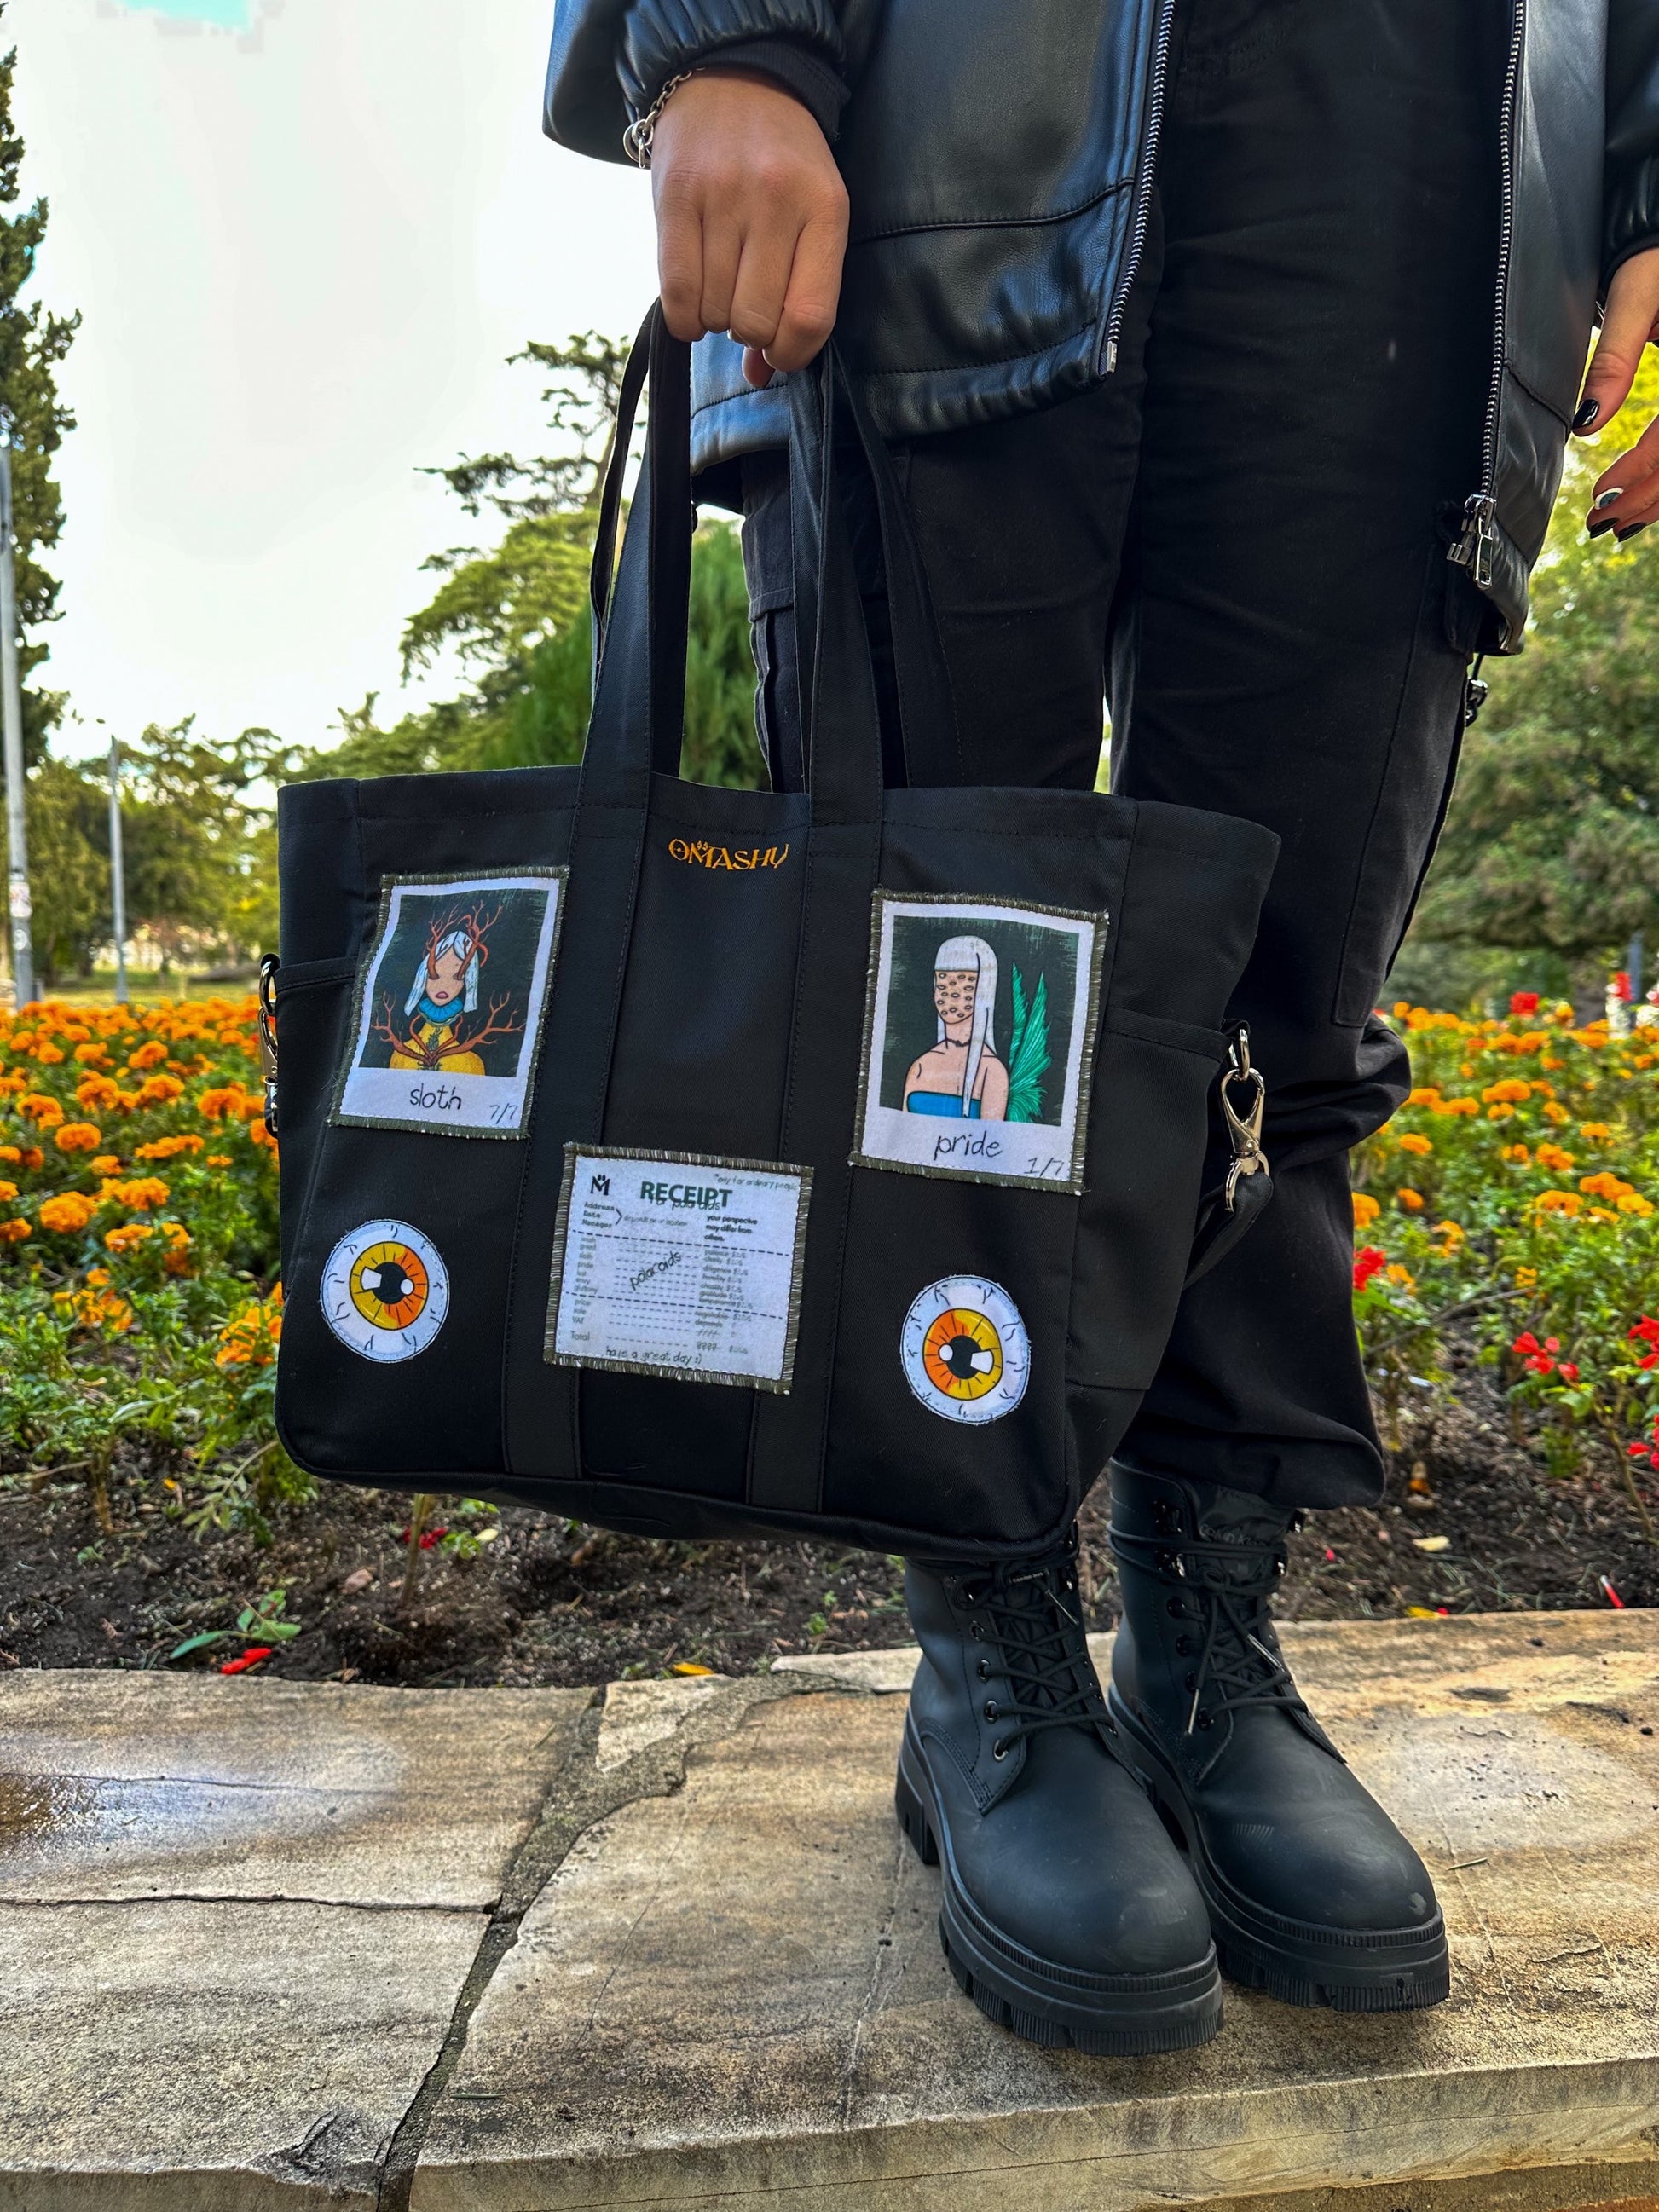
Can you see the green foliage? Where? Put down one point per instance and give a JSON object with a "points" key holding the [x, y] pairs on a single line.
{"points": [[69, 868], [1517, 1196], [1029, 1057], [33, 343], [1552, 842], [515, 614]]}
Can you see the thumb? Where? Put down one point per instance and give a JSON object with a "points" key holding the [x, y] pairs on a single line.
{"points": [[1632, 307]]}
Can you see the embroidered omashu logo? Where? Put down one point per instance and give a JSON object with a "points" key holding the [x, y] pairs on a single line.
{"points": [[696, 853]]}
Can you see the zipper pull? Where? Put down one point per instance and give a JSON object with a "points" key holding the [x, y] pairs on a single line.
{"points": [[268, 968], [1474, 549]]}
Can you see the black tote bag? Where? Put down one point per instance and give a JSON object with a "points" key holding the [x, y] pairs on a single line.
{"points": [[694, 1160]]}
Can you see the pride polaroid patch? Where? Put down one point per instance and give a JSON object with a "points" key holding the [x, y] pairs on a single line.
{"points": [[979, 1040], [451, 1002]]}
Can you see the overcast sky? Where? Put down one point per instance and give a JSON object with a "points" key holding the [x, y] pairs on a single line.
{"points": [[304, 234]]}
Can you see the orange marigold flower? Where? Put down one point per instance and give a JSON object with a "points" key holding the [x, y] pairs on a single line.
{"points": [[68, 1213], [1463, 1106], [160, 1090], [92, 1055], [1427, 1094], [1596, 1132], [1412, 1142], [219, 1160], [7, 1192], [128, 1238], [1631, 1202], [1557, 1161], [79, 1137], [169, 1148], [74, 1032], [33, 1156], [144, 1194], [37, 1106], [1502, 1113], [1411, 1200], [97, 1306], [1556, 1114], [107, 1163], [11, 1152], [1559, 1202], [148, 1056], [1365, 1209], [1518, 1153], [15, 1230], [1393, 1273], [262, 1136], [1606, 1185], [1511, 1091], [252, 1339], [48, 1055], [230, 1098], [98, 1093]]}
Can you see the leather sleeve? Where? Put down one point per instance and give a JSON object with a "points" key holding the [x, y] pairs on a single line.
{"points": [[611, 58], [1631, 192]]}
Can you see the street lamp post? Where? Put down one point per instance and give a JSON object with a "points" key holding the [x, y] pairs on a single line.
{"points": [[118, 873], [11, 712]]}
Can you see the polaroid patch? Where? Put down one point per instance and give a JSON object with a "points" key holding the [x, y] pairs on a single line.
{"points": [[385, 1291], [450, 1004], [978, 1039], [679, 1264], [966, 1353]]}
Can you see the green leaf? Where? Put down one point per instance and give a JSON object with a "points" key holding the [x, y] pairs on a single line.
{"points": [[1029, 1058]]}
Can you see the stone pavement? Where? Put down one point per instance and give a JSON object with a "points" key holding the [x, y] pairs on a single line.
{"points": [[267, 1945]]}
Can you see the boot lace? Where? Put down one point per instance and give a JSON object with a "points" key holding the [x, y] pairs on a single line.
{"points": [[1031, 1617], [1229, 1585]]}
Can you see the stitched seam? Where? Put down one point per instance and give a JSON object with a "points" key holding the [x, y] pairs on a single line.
{"points": [[991, 221], [1537, 398]]}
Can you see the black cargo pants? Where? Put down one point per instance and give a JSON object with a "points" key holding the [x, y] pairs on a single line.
{"points": [[1245, 527]]}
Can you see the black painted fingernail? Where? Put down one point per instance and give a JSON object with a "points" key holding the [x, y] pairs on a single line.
{"points": [[1635, 531], [1587, 414], [1597, 529]]}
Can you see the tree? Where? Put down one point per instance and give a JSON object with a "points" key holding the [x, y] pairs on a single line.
{"points": [[32, 342], [515, 614], [69, 869], [196, 832], [1552, 845]]}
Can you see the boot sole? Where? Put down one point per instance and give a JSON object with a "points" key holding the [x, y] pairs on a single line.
{"points": [[1394, 1970], [1106, 2015]]}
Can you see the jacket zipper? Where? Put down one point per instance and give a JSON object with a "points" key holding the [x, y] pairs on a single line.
{"points": [[1161, 37], [1474, 549]]}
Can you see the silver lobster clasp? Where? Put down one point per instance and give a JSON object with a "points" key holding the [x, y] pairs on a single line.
{"points": [[1244, 1128]]}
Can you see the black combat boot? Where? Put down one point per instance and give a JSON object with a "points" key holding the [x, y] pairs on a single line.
{"points": [[1067, 1914], [1314, 1894]]}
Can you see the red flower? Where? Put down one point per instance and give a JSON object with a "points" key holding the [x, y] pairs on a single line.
{"points": [[1652, 1360], [1568, 1370], [1552, 1343], [1370, 1263], [1524, 1344], [1541, 1365], [1647, 1330], [1524, 1002], [248, 1659]]}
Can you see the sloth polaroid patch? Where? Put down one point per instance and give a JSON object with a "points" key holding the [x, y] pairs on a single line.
{"points": [[450, 1004], [966, 1353], [385, 1291], [979, 1040]]}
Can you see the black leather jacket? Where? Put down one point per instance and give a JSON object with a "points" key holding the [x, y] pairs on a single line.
{"points": [[993, 237]]}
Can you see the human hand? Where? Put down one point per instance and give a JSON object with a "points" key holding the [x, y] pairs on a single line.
{"points": [[1625, 498], [751, 219]]}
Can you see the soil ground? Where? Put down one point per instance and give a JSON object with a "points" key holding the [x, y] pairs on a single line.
{"points": [[554, 1601]]}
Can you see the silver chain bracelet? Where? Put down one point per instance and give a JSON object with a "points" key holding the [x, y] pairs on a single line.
{"points": [[637, 139]]}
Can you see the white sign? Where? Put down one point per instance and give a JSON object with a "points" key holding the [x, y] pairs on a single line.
{"points": [[681, 1264], [979, 1040], [450, 1004]]}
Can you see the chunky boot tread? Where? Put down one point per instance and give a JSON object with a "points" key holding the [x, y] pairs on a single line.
{"points": [[1057, 2006]]}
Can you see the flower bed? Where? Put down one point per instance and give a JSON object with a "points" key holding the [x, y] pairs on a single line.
{"points": [[1514, 1195], [138, 1249], [1513, 1200]]}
